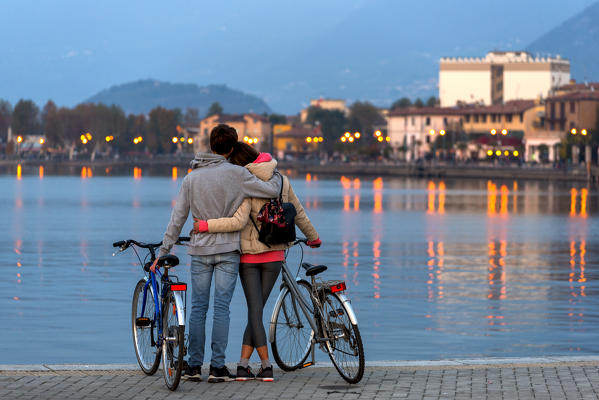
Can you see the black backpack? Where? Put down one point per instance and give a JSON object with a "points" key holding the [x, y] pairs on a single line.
{"points": [[278, 221]]}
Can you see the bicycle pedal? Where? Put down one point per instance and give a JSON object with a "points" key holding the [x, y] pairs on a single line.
{"points": [[142, 322], [306, 365]]}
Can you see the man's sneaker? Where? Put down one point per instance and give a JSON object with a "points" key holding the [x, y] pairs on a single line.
{"points": [[244, 374], [192, 372], [265, 375], [221, 374]]}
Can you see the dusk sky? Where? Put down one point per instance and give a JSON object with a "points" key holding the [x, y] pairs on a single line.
{"points": [[284, 52]]}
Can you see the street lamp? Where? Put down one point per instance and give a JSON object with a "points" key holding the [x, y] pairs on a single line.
{"points": [[175, 139]]}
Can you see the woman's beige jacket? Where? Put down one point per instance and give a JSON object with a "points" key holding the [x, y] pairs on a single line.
{"points": [[250, 208]]}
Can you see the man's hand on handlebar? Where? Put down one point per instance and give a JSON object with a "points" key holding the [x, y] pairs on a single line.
{"points": [[154, 267]]}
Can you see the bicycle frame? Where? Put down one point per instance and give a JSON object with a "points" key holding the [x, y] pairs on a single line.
{"points": [[290, 283], [180, 304]]}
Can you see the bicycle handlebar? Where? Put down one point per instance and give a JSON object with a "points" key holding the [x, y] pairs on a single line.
{"points": [[129, 242], [300, 240]]}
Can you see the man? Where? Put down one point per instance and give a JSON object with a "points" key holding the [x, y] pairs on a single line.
{"points": [[214, 188]]}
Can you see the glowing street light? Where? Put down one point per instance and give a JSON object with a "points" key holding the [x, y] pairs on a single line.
{"points": [[506, 153], [498, 153], [442, 132], [380, 138], [175, 139], [190, 141], [573, 131], [19, 139], [378, 133], [351, 139], [343, 139], [357, 135], [489, 153], [88, 136], [583, 132], [431, 132], [388, 139], [493, 131], [347, 134], [504, 132], [516, 153], [42, 140], [309, 139]]}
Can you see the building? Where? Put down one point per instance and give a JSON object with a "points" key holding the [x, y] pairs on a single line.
{"points": [[499, 77], [297, 139], [249, 126], [325, 104], [410, 128]]}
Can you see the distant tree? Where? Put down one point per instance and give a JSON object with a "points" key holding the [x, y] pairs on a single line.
{"points": [[215, 108], [191, 117], [5, 118], [363, 116], [26, 118], [137, 125], [277, 119], [418, 103], [431, 102], [404, 102], [50, 124], [332, 124], [162, 126]]}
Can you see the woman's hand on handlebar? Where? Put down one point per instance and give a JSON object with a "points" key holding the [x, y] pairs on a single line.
{"points": [[314, 243]]}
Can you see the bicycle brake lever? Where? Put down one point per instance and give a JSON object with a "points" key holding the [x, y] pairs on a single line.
{"points": [[118, 252]]}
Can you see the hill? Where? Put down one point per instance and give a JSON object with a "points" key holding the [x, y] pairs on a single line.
{"points": [[576, 39], [143, 95]]}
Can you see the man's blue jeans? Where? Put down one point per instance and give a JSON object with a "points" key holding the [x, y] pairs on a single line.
{"points": [[225, 268]]}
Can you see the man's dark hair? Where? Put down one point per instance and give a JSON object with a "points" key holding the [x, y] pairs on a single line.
{"points": [[243, 154], [222, 139]]}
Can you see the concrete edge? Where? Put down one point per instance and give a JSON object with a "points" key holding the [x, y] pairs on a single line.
{"points": [[475, 362]]}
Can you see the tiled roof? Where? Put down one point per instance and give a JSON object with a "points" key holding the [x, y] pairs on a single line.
{"points": [[398, 112], [510, 107], [578, 95], [580, 86]]}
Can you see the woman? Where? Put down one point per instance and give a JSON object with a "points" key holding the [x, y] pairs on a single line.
{"points": [[260, 265]]}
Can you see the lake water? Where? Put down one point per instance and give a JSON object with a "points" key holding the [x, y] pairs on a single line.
{"points": [[435, 268]]}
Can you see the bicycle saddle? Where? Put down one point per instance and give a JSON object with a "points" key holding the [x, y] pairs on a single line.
{"points": [[168, 261], [312, 269]]}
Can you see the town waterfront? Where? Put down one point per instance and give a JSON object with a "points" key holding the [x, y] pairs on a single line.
{"points": [[435, 268]]}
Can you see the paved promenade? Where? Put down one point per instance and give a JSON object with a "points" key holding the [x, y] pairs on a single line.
{"points": [[546, 378]]}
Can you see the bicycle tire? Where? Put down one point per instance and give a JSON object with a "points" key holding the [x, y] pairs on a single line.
{"points": [[172, 350], [344, 346], [292, 333], [148, 356]]}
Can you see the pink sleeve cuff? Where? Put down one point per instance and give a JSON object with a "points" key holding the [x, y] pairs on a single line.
{"points": [[263, 157]]}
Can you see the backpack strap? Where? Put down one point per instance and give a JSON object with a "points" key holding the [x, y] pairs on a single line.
{"points": [[282, 184]]}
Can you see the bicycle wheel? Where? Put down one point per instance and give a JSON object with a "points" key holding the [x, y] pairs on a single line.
{"points": [[292, 332], [145, 329], [173, 343], [345, 343]]}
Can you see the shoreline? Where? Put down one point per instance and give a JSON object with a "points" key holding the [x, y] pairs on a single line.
{"points": [[488, 362], [422, 170]]}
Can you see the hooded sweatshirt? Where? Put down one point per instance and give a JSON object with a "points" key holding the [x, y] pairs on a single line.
{"points": [[214, 188]]}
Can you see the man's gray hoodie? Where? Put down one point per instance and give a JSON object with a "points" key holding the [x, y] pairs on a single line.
{"points": [[213, 189]]}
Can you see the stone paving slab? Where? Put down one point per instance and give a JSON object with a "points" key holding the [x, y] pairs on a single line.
{"points": [[528, 379]]}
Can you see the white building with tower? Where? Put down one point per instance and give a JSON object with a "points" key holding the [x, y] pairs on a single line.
{"points": [[499, 77]]}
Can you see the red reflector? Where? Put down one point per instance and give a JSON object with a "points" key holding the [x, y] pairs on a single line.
{"points": [[340, 287], [179, 287]]}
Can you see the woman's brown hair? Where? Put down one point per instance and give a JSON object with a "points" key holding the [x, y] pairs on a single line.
{"points": [[243, 154]]}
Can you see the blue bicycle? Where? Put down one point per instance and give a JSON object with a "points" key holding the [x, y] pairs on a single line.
{"points": [[158, 314]]}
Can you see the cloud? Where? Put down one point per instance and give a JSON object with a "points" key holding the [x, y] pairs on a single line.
{"points": [[71, 54]]}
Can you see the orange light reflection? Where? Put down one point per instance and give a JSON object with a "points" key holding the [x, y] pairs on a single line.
{"points": [[41, 172], [19, 172], [174, 173]]}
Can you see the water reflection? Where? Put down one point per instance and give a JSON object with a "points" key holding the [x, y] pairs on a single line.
{"points": [[41, 172], [136, 173], [377, 186], [174, 173], [19, 172]]}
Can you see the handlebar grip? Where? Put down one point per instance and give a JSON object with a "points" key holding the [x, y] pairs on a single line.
{"points": [[119, 243], [184, 238]]}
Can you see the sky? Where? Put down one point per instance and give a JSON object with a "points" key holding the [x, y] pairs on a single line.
{"points": [[283, 51]]}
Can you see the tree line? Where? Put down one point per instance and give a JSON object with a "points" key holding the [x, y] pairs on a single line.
{"points": [[94, 127]]}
